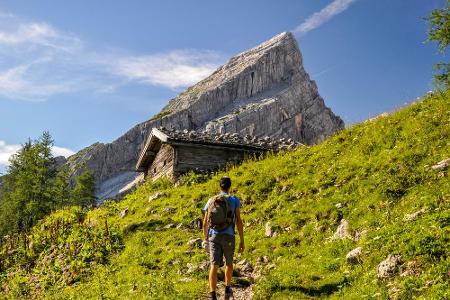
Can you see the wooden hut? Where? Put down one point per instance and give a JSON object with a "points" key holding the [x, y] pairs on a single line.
{"points": [[172, 152]]}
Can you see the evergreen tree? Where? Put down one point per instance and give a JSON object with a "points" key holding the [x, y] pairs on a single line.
{"points": [[439, 31], [83, 193], [32, 187], [61, 189]]}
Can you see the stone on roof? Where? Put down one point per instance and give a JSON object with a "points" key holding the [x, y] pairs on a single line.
{"points": [[228, 138]]}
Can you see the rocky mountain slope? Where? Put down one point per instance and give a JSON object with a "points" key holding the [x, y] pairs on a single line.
{"points": [[363, 215], [264, 91]]}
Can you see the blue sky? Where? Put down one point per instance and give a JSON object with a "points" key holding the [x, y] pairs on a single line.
{"points": [[88, 71]]}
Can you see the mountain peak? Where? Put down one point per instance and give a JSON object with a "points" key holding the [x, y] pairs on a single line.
{"points": [[280, 51], [282, 39], [264, 91]]}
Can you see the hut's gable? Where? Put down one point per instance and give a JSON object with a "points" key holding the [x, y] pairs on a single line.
{"points": [[163, 163]]}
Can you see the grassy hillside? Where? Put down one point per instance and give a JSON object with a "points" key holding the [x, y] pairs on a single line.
{"points": [[373, 175]]}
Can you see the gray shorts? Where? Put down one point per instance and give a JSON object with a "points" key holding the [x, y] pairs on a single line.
{"points": [[221, 245]]}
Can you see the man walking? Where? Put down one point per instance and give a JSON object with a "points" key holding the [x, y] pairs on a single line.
{"points": [[222, 213]]}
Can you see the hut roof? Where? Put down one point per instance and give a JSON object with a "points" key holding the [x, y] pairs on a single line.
{"points": [[208, 139]]}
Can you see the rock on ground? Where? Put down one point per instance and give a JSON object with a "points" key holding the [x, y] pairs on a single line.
{"points": [[412, 268], [354, 256], [195, 243], [244, 266], [169, 210], [443, 164], [268, 230], [204, 265], [342, 232], [155, 196], [123, 213], [389, 267], [415, 215]]}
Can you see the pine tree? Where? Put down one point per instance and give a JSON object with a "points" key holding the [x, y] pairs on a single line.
{"points": [[61, 194], [32, 187], [439, 31], [83, 193]]}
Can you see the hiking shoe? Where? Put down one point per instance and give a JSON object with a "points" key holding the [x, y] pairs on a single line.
{"points": [[228, 293], [212, 296]]}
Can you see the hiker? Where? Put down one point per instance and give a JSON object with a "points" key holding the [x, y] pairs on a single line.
{"points": [[222, 213]]}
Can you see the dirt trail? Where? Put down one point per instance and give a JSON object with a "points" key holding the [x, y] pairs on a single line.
{"points": [[240, 292], [242, 283]]}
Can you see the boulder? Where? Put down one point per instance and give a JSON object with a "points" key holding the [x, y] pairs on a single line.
{"points": [[443, 164], [389, 267], [354, 256], [268, 230], [244, 266], [191, 268], [204, 265], [123, 213], [169, 210], [415, 215], [342, 232], [155, 196], [195, 243]]}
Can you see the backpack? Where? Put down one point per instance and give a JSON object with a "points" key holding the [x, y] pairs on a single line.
{"points": [[219, 217]]}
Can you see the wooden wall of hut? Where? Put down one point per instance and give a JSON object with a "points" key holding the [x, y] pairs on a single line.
{"points": [[202, 158], [163, 163]]}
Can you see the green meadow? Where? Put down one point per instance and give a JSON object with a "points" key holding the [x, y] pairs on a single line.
{"points": [[373, 175]]}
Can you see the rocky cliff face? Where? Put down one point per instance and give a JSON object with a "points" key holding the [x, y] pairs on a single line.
{"points": [[264, 91]]}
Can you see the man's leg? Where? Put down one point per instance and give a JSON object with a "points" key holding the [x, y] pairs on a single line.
{"points": [[213, 278], [228, 251], [228, 274], [215, 253]]}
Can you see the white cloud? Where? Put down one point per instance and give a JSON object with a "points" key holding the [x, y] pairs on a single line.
{"points": [[174, 69], [35, 59], [19, 82], [60, 151], [6, 151], [17, 33], [322, 16], [38, 61]]}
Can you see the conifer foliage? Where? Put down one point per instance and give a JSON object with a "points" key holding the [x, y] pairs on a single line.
{"points": [[439, 32], [33, 187], [83, 193]]}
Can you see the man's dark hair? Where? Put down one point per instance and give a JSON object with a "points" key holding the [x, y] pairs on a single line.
{"points": [[225, 183]]}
